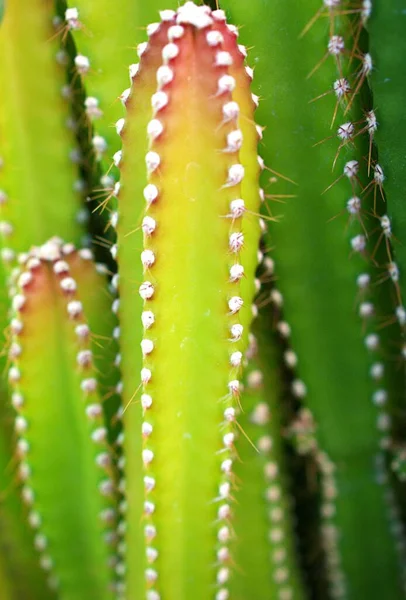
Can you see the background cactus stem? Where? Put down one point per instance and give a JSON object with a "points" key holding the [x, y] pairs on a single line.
{"points": [[58, 407]]}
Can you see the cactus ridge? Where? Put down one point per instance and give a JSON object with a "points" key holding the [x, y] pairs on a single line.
{"points": [[389, 140], [302, 433], [391, 218], [346, 90], [367, 127], [44, 284]]}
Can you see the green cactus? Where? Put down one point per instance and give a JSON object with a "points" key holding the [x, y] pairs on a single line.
{"points": [[334, 349], [191, 301], [388, 89], [272, 573], [224, 418], [38, 171], [58, 407]]}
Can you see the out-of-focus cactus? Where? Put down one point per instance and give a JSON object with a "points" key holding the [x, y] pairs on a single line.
{"points": [[39, 195], [262, 358], [340, 288], [54, 392]]}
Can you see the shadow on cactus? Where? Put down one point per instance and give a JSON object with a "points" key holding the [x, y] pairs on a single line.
{"points": [[206, 417]]}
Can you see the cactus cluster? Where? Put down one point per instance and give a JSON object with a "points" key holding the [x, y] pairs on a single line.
{"points": [[202, 296]]}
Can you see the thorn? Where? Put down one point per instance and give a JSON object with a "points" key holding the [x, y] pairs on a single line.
{"points": [[281, 176]]}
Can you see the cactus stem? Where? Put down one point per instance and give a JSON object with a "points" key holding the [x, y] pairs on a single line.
{"points": [[155, 128], [43, 268], [384, 147], [193, 40], [364, 129]]}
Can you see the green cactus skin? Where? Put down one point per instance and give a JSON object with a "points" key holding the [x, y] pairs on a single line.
{"points": [[328, 336], [193, 296], [99, 305], [107, 36], [37, 175], [387, 46], [5, 584], [65, 463], [17, 553], [263, 508]]}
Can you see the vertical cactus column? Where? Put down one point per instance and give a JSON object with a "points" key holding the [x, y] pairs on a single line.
{"points": [[387, 46], [322, 254], [64, 460], [187, 237], [385, 28], [38, 153]]}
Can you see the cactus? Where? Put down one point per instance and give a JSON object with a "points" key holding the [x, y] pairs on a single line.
{"points": [[58, 406], [38, 174], [389, 133], [335, 349], [190, 182], [223, 418]]}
